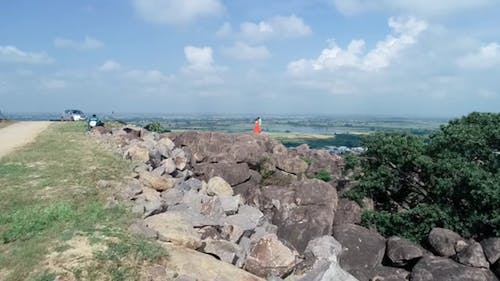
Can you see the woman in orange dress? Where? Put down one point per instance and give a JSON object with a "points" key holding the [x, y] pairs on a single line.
{"points": [[257, 126]]}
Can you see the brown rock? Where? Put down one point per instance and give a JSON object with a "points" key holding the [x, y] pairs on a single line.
{"points": [[159, 183], [137, 153], [174, 228], [270, 257]]}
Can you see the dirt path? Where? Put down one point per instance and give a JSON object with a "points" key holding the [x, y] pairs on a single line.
{"points": [[19, 134]]}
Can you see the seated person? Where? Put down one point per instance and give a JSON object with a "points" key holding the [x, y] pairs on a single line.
{"points": [[94, 122]]}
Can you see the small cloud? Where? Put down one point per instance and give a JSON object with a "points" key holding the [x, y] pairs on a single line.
{"points": [[177, 12], [109, 66], [54, 84], [486, 57], [88, 43], [148, 76], [225, 30], [11, 54], [278, 27], [242, 51], [201, 66]]}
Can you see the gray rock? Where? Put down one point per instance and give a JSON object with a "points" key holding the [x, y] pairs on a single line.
{"points": [[230, 204], [225, 250], [491, 248], [328, 271], [292, 165], [168, 165], [363, 249], [443, 241], [190, 184], [348, 212], [175, 228], [473, 255], [496, 268], [140, 229], [233, 173], [247, 218], [385, 273], [172, 197], [302, 211], [431, 268], [324, 248], [180, 159], [401, 251]]}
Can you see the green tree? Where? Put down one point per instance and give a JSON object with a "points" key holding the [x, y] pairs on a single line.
{"points": [[450, 179]]}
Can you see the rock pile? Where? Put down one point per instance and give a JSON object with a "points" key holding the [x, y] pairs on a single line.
{"points": [[244, 207]]}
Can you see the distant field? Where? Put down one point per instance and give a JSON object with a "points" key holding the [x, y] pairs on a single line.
{"points": [[318, 141]]}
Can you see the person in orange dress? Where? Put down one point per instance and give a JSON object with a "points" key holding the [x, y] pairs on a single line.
{"points": [[257, 126]]}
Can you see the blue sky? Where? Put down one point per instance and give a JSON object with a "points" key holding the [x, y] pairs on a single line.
{"points": [[412, 57]]}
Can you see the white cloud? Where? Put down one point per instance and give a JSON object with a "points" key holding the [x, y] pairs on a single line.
{"points": [[12, 54], [414, 7], [278, 27], [486, 57], [177, 12], [405, 33], [54, 84], [225, 30], [201, 66], [110, 65], [88, 43], [242, 51], [148, 76]]}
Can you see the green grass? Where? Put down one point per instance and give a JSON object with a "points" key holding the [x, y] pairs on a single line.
{"points": [[4, 123], [49, 196]]}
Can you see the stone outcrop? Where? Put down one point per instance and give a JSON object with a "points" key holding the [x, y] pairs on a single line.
{"points": [[363, 249], [431, 268], [221, 203]]}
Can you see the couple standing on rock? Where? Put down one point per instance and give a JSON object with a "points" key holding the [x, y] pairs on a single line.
{"points": [[257, 128]]}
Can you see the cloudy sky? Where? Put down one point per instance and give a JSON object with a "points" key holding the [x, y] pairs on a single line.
{"points": [[408, 57]]}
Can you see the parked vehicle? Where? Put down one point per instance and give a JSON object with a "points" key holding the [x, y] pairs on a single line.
{"points": [[73, 115]]}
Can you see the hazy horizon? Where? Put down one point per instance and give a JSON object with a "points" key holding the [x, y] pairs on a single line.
{"points": [[416, 58]]}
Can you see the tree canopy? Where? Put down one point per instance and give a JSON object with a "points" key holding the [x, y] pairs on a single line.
{"points": [[449, 179]]}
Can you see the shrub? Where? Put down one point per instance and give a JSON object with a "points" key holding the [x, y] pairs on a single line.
{"points": [[323, 175], [156, 127]]}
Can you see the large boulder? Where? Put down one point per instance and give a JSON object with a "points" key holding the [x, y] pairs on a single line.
{"points": [[401, 251], [348, 212], [431, 268], [302, 211], [233, 173], [291, 165], [491, 248], [473, 255], [320, 160], [363, 249], [203, 267], [444, 241], [270, 257], [173, 227]]}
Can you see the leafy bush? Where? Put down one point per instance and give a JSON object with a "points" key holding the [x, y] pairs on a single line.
{"points": [[450, 179], [156, 127], [323, 175]]}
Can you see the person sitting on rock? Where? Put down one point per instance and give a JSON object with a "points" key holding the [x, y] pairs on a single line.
{"points": [[257, 128], [94, 122]]}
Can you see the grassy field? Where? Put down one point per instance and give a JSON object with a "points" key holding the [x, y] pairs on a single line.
{"points": [[4, 124], [55, 221]]}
